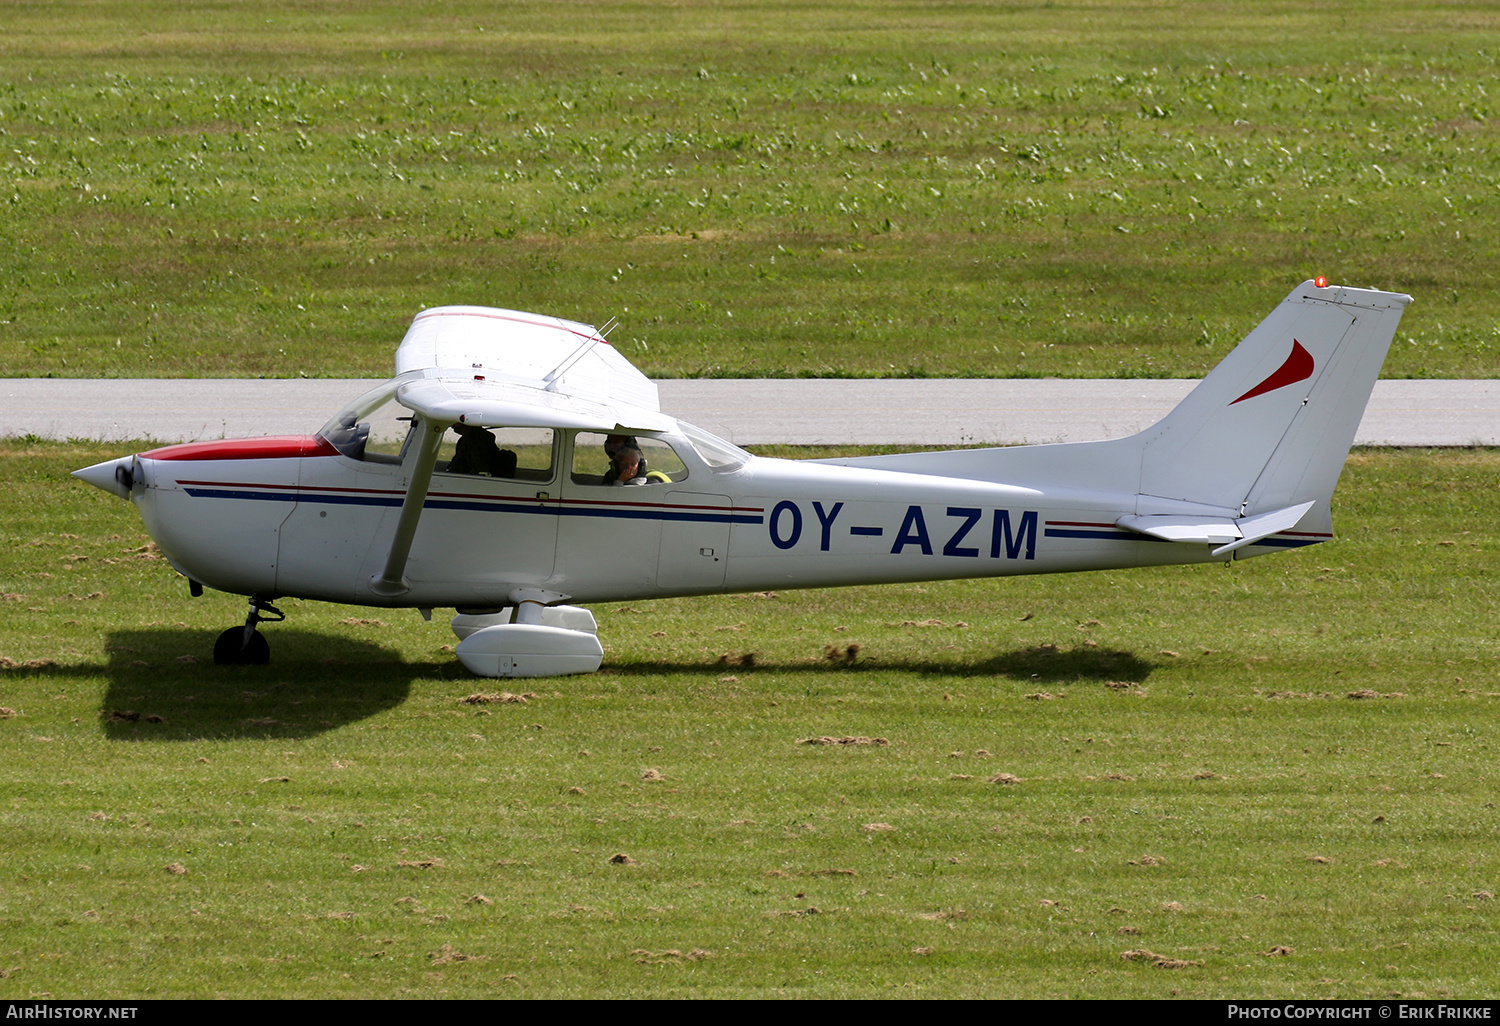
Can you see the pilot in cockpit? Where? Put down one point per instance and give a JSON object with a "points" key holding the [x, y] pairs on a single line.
{"points": [[612, 446], [627, 468]]}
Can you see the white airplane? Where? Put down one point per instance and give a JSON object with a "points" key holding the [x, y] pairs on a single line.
{"points": [[1245, 465]]}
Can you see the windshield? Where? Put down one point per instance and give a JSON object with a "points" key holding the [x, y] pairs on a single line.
{"points": [[717, 453], [374, 422]]}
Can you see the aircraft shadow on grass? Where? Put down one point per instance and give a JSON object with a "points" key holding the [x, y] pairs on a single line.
{"points": [[1039, 665], [318, 683], [314, 684]]}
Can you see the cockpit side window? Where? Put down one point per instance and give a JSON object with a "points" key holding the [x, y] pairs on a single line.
{"points": [[594, 465]]}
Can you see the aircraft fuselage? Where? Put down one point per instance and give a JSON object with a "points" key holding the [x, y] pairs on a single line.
{"points": [[295, 517]]}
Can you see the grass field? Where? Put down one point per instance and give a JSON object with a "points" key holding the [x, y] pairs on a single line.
{"points": [[1276, 777], [863, 188]]}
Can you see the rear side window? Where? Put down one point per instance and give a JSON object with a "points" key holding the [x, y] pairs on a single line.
{"points": [[521, 454]]}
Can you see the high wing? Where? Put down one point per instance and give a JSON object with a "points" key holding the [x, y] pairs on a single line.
{"points": [[479, 401], [488, 368]]}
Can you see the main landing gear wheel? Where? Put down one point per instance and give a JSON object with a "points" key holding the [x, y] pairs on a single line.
{"points": [[246, 646]]}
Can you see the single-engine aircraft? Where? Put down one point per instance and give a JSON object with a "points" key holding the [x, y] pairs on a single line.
{"points": [[1245, 465]]}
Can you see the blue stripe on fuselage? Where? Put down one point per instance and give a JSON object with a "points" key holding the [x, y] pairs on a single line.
{"points": [[1055, 532], [663, 514], [489, 506], [233, 493]]}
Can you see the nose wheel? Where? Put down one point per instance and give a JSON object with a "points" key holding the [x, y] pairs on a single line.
{"points": [[246, 646]]}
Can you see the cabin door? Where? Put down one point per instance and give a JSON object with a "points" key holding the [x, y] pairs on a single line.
{"points": [[490, 526], [607, 534]]}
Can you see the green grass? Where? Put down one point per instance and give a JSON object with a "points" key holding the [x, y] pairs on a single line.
{"points": [[763, 189], [1194, 718]]}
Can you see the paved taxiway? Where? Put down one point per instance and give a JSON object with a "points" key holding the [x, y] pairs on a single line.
{"points": [[897, 412]]}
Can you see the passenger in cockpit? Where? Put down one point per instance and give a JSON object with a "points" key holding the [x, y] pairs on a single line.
{"points": [[477, 453]]}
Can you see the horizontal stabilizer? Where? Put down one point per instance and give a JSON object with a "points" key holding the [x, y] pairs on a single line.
{"points": [[1225, 532], [1192, 530], [1263, 525]]}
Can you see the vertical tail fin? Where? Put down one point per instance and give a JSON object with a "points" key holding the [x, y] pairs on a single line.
{"points": [[1271, 425], [1255, 449]]}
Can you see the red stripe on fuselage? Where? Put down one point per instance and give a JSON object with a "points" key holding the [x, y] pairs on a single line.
{"points": [[289, 487], [272, 447]]}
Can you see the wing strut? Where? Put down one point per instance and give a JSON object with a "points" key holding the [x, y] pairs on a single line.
{"points": [[392, 580]]}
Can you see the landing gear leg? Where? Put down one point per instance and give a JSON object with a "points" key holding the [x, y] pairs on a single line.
{"points": [[246, 646]]}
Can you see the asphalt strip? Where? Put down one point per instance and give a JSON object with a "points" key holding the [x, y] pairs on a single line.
{"points": [[750, 412]]}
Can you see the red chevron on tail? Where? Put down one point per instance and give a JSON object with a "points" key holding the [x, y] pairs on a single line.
{"points": [[1298, 367]]}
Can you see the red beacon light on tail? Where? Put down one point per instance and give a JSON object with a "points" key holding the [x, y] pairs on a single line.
{"points": [[1321, 282]]}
